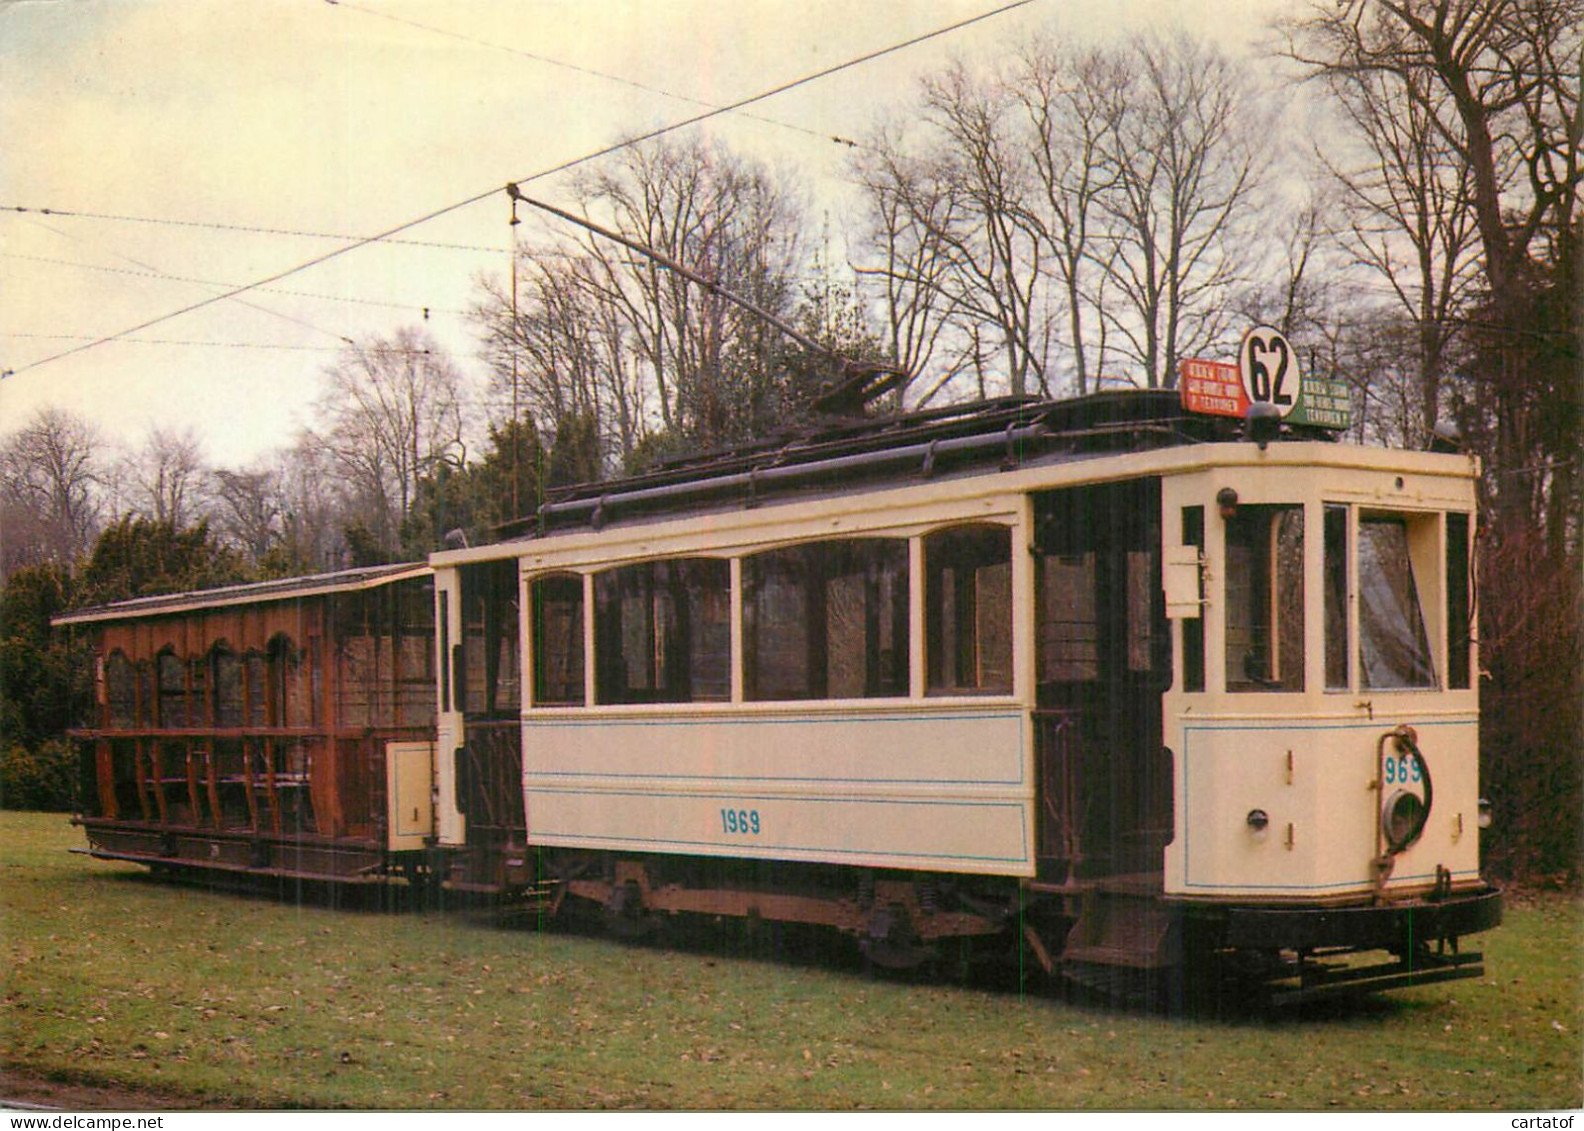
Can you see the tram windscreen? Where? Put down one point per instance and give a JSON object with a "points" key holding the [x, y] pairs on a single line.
{"points": [[1394, 649], [1265, 599]]}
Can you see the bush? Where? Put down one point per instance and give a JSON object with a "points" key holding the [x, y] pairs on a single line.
{"points": [[44, 778]]}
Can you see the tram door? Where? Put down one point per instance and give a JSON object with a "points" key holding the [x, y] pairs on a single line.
{"points": [[488, 691], [1103, 658]]}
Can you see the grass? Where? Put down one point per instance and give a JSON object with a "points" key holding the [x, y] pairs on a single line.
{"points": [[213, 998]]}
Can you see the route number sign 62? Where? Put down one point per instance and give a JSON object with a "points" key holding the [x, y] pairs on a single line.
{"points": [[1269, 369]]}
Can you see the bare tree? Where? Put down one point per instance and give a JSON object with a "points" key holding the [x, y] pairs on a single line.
{"points": [[316, 506], [51, 479], [248, 509], [1106, 190], [1187, 160], [395, 411], [1498, 80], [734, 222], [1073, 118], [1497, 84], [994, 248], [560, 354], [594, 340], [166, 477], [907, 210], [1404, 212]]}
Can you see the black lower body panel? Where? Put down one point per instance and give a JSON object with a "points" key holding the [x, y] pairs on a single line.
{"points": [[1390, 925]]}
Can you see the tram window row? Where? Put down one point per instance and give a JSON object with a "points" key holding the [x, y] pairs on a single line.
{"points": [[819, 620]]}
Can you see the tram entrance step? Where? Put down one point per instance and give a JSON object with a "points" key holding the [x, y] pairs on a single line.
{"points": [[1118, 929]]}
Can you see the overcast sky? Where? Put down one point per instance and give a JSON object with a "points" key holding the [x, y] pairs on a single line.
{"points": [[176, 129]]}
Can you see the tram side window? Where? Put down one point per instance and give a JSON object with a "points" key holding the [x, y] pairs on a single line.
{"points": [[1460, 630], [827, 620], [968, 610], [1394, 649], [663, 632], [557, 609], [1265, 599]]}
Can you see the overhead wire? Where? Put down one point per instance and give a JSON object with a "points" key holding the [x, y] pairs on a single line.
{"points": [[603, 151], [580, 69], [303, 322], [192, 342], [151, 273], [253, 229]]}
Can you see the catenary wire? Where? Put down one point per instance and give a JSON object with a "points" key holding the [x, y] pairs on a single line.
{"points": [[253, 229], [595, 155], [292, 318], [196, 342], [151, 273], [579, 69]]}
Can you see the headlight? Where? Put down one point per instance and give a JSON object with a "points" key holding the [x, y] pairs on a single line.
{"points": [[1403, 819]]}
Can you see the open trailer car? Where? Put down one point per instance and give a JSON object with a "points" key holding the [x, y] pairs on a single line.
{"points": [[284, 728]]}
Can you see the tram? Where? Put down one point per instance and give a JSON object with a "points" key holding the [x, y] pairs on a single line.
{"points": [[1128, 686]]}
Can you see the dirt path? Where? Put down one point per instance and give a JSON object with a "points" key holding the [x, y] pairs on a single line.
{"points": [[38, 1091]]}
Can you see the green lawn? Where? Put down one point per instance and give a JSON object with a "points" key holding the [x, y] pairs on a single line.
{"points": [[223, 998]]}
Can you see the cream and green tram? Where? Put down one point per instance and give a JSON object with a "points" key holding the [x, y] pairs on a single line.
{"points": [[1099, 679]]}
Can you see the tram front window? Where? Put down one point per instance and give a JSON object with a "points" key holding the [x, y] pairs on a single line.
{"points": [[1394, 648], [1265, 599]]}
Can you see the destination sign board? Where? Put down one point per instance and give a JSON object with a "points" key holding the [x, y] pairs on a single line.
{"points": [[1266, 371], [1212, 387], [1324, 403]]}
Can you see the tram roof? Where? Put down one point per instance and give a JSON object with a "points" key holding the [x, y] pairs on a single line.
{"points": [[282, 589], [867, 451]]}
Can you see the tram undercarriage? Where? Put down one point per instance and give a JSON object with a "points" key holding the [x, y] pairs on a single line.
{"points": [[1119, 937]]}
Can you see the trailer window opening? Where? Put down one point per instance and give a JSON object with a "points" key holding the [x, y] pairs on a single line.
{"points": [[1460, 628], [198, 703], [1265, 599], [231, 784], [121, 691], [227, 686], [557, 612], [286, 685], [144, 672], [663, 632], [1394, 648], [826, 620], [174, 782], [255, 676], [968, 610], [172, 675], [1336, 598]]}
